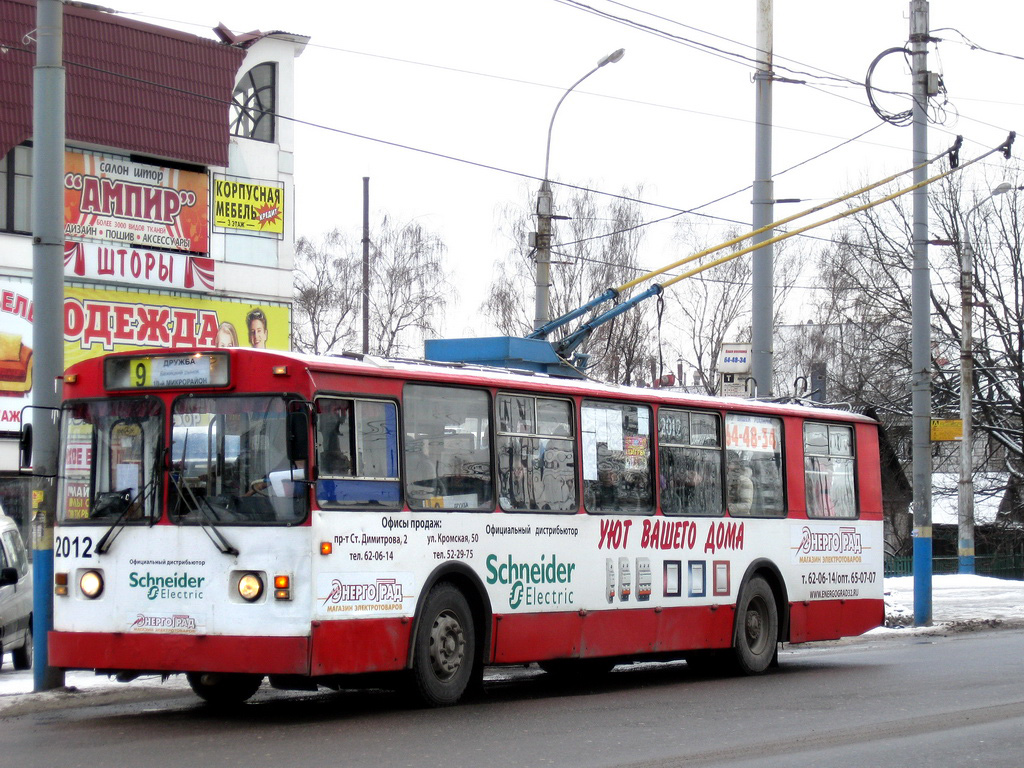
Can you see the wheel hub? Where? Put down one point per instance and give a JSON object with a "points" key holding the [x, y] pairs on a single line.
{"points": [[447, 645]]}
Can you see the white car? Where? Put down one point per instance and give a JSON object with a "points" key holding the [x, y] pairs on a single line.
{"points": [[15, 596]]}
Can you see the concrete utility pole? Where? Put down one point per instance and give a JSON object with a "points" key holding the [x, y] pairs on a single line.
{"points": [[920, 300], [965, 495], [762, 277], [48, 315]]}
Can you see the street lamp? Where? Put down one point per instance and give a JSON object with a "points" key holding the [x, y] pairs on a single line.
{"points": [[544, 207], [965, 498]]}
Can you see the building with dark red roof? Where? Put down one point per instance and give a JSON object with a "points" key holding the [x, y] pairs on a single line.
{"points": [[178, 193]]}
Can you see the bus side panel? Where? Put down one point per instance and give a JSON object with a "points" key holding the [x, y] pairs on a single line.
{"points": [[180, 653], [524, 637], [869, 477], [832, 619], [527, 637], [366, 645]]}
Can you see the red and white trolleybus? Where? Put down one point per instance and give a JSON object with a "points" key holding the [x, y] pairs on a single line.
{"points": [[242, 514]]}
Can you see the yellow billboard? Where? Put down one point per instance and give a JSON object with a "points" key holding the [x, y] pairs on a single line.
{"points": [[98, 321], [248, 206]]}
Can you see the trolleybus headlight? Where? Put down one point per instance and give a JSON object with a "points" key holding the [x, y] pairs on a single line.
{"points": [[91, 584], [250, 587]]}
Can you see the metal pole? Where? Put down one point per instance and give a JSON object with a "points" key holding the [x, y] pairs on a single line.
{"points": [[48, 312], [762, 277], [366, 265], [965, 519], [545, 211], [920, 385]]}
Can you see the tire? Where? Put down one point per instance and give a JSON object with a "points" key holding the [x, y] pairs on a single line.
{"points": [[223, 689], [445, 652], [23, 656], [757, 628]]}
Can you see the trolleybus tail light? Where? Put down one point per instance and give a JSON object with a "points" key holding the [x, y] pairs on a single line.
{"points": [[280, 370], [60, 584], [91, 584], [250, 587], [326, 547], [282, 587]]}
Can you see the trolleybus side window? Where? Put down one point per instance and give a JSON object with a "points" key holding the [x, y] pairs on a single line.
{"points": [[829, 471], [111, 460], [230, 462], [536, 454], [690, 463], [357, 453], [447, 448], [617, 474], [754, 477]]}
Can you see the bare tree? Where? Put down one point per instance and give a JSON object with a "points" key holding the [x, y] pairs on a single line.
{"points": [[327, 295], [862, 328], [712, 307], [596, 248], [409, 290]]}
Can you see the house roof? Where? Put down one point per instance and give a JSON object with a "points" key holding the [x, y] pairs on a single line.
{"points": [[130, 85]]}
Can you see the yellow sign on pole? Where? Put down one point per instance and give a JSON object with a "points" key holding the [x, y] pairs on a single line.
{"points": [[947, 429]]}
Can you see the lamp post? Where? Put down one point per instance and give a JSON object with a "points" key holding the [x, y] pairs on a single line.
{"points": [[965, 498], [545, 212]]}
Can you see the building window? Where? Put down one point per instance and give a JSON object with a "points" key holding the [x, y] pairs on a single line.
{"points": [[253, 104], [16, 190]]}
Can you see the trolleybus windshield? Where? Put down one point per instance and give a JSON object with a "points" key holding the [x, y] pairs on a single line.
{"points": [[229, 462]]}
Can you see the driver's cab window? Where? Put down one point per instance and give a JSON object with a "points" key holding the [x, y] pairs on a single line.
{"points": [[357, 453]]}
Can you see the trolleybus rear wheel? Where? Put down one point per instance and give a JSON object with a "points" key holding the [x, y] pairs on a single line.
{"points": [[223, 689], [757, 628], [445, 651]]}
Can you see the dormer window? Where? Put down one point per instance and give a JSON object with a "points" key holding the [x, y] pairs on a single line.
{"points": [[253, 104]]}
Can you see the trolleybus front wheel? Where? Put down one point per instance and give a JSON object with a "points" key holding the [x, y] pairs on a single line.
{"points": [[757, 628], [445, 651], [223, 689]]}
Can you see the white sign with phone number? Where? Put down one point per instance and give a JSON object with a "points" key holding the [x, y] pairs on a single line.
{"points": [[752, 433]]}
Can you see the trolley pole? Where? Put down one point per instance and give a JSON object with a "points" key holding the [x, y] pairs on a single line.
{"points": [[920, 300], [48, 312]]}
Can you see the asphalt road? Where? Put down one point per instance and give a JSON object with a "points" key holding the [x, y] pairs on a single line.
{"points": [[936, 700]]}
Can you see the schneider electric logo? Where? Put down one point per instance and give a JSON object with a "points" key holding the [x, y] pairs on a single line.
{"points": [[177, 586], [533, 583]]}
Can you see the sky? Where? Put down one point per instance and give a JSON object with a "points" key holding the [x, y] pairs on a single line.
{"points": [[956, 598], [464, 90]]}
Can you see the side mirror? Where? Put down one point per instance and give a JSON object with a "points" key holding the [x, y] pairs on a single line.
{"points": [[298, 437], [25, 447], [8, 576]]}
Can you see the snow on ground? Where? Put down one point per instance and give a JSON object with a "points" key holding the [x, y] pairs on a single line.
{"points": [[971, 601]]}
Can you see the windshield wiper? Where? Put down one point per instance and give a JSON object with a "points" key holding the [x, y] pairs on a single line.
{"points": [[113, 501], [207, 517]]}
